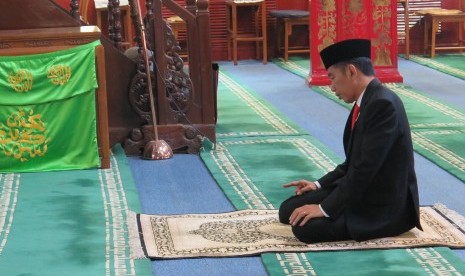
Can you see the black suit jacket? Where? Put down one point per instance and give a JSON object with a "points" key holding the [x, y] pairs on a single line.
{"points": [[376, 187]]}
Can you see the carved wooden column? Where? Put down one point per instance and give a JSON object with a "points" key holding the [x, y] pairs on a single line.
{"points": [[335, 20], [191, 6], [114, 23], [74, 9], [149, 8]]}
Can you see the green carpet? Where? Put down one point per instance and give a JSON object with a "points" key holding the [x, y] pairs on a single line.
{"points": [[261, 117], [452, 64], [68, 222], [250, 170], [296, 65], [437, 129]]}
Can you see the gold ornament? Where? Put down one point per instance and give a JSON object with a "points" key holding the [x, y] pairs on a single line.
{"points": [[59, 74], [21, 81], [24, 135]]}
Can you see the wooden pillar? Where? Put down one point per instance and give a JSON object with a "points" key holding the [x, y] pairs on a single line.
{"points": [[204, 46], [335, 20]]}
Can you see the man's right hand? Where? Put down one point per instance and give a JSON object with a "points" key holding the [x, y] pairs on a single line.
{"points": [[301, 186]]}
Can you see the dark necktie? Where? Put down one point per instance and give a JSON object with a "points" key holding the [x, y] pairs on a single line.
{"points": [[355, 115]]}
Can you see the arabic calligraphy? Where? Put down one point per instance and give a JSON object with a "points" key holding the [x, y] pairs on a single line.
{"points": [[24, 135], [21, 81], [59, 74]]}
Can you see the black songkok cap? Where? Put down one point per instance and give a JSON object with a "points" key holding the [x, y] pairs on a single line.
{"points": [[345, 50]]}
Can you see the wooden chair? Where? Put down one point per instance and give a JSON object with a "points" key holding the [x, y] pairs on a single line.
{"points": [[259, 36], [287, 19], [432, 18]]}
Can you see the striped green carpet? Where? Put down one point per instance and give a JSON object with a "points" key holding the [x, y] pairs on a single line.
{"points": [[438, 130], [296, 65], [238, 105], [452, 64], [69, 222], [250, 167]]}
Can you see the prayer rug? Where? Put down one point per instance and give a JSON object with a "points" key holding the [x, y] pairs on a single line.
{"points": [[250, 232], [451, 64]]}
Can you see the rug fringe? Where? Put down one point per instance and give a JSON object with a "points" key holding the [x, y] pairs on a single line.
{"points": [[452, 215], [136, 251]]}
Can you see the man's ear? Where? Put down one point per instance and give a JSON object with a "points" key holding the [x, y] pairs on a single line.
{"points": [[352, 70]]}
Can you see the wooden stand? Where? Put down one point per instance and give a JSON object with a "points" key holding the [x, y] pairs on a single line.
{"points": [[432, 20], [286, 20], [234, 36]]}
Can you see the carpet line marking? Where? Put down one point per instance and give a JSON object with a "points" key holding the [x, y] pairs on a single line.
{"points": [[115, 222], [107, 222], [438, 65], [292, 65], [238, 179], [263, 111], [125, 208], [442, 108], [9, 194], [294, 261], [442, 153], [432, 261]]}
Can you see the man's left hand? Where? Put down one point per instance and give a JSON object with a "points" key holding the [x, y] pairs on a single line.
{"points": [[304, 214]]}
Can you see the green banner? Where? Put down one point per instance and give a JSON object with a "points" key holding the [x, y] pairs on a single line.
{"points": [[47, 111]]}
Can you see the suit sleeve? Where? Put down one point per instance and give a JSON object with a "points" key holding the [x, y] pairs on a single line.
{"points": [[332, 176]]}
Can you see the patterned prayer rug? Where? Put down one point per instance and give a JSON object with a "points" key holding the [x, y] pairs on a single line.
{"points": [[250, 232]]}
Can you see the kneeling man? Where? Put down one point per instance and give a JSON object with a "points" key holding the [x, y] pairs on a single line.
{"points": [[374, 192]]}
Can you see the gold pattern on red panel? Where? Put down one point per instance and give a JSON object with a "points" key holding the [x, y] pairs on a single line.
{"points": [[382, 40], [326, 24], [354, 19]]}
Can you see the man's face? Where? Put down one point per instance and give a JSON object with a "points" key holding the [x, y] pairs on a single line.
{"points": [[342, 82]]}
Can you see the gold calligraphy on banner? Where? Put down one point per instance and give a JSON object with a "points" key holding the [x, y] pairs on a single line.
{"points": [[59, 74], [21, 81], [24, 135]]}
